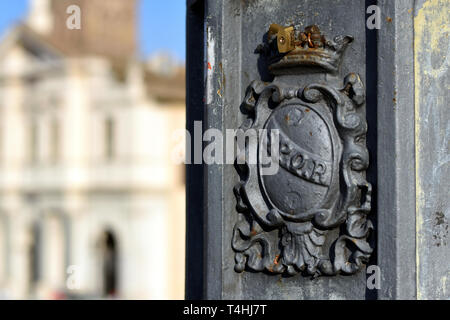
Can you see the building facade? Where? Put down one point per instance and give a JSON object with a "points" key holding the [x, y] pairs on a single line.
{"points": [[90, 203]]}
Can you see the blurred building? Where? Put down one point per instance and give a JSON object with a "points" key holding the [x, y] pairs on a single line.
{"points": [[91, 204]]}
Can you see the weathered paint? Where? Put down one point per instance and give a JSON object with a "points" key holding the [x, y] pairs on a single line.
{"points": [[431, 55], [210, 58]]}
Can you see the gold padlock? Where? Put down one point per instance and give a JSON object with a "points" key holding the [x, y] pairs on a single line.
{"points": [[285, 37]]}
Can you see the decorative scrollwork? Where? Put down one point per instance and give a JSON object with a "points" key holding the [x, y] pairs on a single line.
{"points": [[311, 216]]}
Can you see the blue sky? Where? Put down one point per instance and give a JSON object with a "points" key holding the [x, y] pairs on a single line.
{"points": [[161, 25]]}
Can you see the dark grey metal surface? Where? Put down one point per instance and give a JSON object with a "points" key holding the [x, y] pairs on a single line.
{"points": [[405, 70], [396, 164], [234, 30], [194, 172]]}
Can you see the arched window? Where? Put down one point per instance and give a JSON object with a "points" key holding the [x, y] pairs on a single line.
{"points": [[35, 255], [109, 264]]}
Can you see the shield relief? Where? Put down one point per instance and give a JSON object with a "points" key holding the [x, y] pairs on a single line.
{"points": [[310, 216]]}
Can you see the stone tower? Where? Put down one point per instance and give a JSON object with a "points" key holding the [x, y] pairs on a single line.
{"points": [[40, 17], [108, 28]]}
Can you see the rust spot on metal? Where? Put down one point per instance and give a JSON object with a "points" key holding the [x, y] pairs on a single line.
{"points": [[389, 19], [307, 110], [253, 233], [347, 89], [277, 259], [287, 118], [311, 37], [221, 81]]}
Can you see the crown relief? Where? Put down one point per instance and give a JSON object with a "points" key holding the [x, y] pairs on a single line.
{"points": [[288, 47]]}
